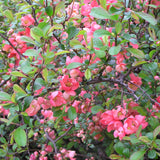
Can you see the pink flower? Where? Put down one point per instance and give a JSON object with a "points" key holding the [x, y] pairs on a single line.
{"points": [[119, 114], [156, 2], [119, 133], [74, 73], [95, 26], [33, 108], [106, 117], [135, 80], [86, 9], [131, 125], [69, 85], [39, 91], [27, 20], [56, 99], [74, 59], [141, 120], [121, 67], [47, 114], [48, 148], [114, 125]]}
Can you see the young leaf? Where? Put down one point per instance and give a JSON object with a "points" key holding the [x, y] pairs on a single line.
{"points": [[88, 74], [20, 137]]}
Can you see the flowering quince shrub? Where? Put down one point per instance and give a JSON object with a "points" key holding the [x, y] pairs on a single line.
{"points": [[79, 79]]}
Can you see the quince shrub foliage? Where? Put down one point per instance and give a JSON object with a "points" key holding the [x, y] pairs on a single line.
{"points": [[79, 79]]}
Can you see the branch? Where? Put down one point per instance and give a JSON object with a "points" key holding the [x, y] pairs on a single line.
{"points": [[4, 82], [118, 81], [54, 142], [33, 12], [6, 38], [64, 133]]}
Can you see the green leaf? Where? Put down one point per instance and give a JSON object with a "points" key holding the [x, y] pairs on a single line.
{"points": [[26, 67], [28, 39], [74, 42], [18, 74], [72, 113], [100, 53], [72, 32], [144, 139], [137, 155], [37, 31], [140, 110], [154, 122], [5, 96], [61, 52], [74, 65], [137, 63], [147, 17], [1, 31], [118, 27], [20, 137], [57, 113], [101, 32], [100, 13], [39, 83], [139, 131], [59, 6], [55, 26], [96, 109], [49, 11], [119, 148], [114, 156], [103, 3], [9, 15], [136, 52], [152, 154], [45, 74], [126, 152], [17, 88], [88, 74], [2, 153], [97, 43], [31, 52], [156, 131], [114, 50], [151, 53]]}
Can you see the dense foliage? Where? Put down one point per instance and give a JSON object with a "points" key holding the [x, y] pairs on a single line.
{"points": [[79, 79]]}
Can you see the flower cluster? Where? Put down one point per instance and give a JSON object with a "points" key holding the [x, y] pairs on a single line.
{"points": [[121, 123]]}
